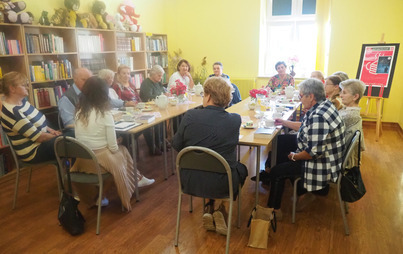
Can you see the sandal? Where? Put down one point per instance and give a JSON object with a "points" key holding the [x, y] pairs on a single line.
{"points": [[220, 218], [208, 220]]}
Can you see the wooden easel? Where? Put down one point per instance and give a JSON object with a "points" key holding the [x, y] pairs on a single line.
{"points": [[379, 106]]}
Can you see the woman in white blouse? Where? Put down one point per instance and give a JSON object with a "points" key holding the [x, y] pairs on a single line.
{"points": [[94, 126], [182, 74]]}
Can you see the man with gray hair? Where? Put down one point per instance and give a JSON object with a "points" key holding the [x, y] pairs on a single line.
{"points": [[218, 72]]}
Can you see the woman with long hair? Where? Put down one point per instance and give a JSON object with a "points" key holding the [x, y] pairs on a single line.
{"points": [[94, 126]]}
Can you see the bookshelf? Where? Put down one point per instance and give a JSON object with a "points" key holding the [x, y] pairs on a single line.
{"points": [[48, 55], [157, 52]]}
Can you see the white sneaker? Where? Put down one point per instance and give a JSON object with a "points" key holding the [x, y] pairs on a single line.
{"points": [[145, 182], [104, 202]]}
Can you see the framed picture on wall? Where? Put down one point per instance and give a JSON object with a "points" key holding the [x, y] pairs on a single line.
{"points": [[376, 68]]}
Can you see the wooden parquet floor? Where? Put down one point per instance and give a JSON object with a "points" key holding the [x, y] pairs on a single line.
{"points": [[376, 221]]}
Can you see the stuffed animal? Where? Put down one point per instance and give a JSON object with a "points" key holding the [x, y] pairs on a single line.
{"points": [[72, 8], [98, 9], [60, 18], [13, 12], [118, 22], [127, 10], [2, 12], [44, 20]]}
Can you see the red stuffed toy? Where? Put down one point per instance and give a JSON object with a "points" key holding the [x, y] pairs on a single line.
{"points": [[127, 10]]}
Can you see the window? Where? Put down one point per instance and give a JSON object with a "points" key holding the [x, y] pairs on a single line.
{"points": [[288, 33]]}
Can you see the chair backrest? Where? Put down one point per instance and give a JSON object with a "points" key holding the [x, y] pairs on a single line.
{"points": [[15, 156], [60, 121], [203, 159], [72, 148], [351, 147]]}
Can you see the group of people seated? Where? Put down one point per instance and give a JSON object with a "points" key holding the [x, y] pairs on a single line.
{"points": [[316, 154]]}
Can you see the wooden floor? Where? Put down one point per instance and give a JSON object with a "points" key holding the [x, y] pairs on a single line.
{"points": [[376, 221]]}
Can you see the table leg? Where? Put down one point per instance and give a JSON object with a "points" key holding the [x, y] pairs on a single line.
{"points": [[172, 149], [136, 180], [257, 175], [165, 150]]}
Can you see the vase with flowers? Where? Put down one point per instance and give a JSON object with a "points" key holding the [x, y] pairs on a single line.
{"points": [[293, 61], [255, 95], [179, 90]]}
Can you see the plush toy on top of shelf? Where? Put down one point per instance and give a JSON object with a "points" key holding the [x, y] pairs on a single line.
{"points": [[104, 20], [13, 12], [127, 10], [72, 8], [60, 18], [43, 19]]}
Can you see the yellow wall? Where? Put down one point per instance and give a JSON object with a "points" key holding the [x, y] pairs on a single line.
{"points": [[228, 31], [358, 22]]}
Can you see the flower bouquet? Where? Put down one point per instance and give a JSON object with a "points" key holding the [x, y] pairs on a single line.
{"points": [[261, 91], [179, 88]]}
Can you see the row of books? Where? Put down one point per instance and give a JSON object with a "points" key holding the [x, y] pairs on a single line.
{"points": [[128, 44], [48, 96], [9, 47], [126, 60], [94, 64], [90, 43], [137, 79], [1, 72], [50, 70], [156, 43], [44, 43], [159, 59]]}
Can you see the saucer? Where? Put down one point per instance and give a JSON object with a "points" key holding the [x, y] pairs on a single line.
{"points": [[249, 127], [147, 109]]}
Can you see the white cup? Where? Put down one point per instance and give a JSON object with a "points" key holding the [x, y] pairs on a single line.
{"points": [[269, 123], [277, 115]]}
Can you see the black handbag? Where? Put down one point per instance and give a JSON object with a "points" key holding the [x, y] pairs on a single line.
{"points": [[352, 187], [69, 216]]}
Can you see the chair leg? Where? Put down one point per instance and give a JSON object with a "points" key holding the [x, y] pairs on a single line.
{"points": [[58, 182], [239, 207], [294, 199], [17, 182], [229, 226], [29, 180], [343, 213], [190, 204], [99, 207], [178, 219]]}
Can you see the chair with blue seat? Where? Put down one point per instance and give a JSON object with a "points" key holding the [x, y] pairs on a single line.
{"points": [[205, 160]]}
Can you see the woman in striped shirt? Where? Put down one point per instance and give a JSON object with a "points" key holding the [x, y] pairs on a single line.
{"points": [[25, 126]]}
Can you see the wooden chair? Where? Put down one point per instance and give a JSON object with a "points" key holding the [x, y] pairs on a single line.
{"points": [[21, 164], [343, 205], [68, 148], [207, 160]]}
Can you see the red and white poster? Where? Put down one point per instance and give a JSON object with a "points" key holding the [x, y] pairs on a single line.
{"points": [[376, 68]]}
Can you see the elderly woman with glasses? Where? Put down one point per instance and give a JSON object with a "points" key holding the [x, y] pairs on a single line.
{"points": [[26, 127], [320, 144]]}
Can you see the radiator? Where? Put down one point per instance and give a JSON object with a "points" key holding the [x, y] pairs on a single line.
{"points": [[244, 85]]}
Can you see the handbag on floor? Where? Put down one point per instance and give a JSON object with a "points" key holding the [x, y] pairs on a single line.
{"points": [[69, 216], [260, 221], [352, 187]]}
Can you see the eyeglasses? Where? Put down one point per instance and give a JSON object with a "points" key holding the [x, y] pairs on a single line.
{"points": [[300, 96]]}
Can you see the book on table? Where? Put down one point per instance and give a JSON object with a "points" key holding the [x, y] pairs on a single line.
{"points": [[264, 132], [124, 126], [145, 119]]}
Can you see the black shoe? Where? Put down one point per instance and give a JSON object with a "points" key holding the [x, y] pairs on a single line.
{"points": [[263, 176]]}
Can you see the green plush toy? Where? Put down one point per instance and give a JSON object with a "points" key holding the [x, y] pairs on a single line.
{"points": [[98, 9]]}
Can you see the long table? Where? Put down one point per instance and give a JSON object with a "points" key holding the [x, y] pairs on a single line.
{"points": [[247, 138], [167, 114]]}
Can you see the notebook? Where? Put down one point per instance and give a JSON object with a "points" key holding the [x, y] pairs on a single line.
{"points": [[124, 126], [264, 132]]}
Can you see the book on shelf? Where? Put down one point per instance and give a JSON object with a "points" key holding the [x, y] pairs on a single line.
{"points": [[156, 43], [126, 60], [94, 64], [137, 79], [157, 58], [145, 119], [264, 133], [9, 47], [50, 70], [44, 43], [90, 43], [48, 96]]}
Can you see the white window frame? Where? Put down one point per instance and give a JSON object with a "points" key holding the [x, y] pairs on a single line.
{"points": [[269, 23]]}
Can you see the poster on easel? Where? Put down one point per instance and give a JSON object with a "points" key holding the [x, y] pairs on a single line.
{"points": [[376, 68]]}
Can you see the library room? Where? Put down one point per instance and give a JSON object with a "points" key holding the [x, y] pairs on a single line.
{"points": [[155, 126]]}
